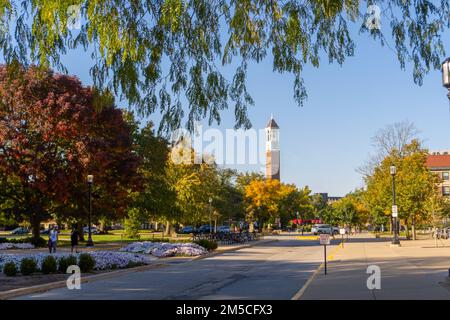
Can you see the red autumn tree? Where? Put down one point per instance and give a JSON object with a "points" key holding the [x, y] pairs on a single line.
{"points": [[51, 138]]}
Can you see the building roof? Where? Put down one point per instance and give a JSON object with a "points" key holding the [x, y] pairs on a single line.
{"points": [[438, 161], [272, 124]]}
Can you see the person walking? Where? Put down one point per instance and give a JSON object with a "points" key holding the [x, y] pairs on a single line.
{"points": [[74, 239], [49, 243], [53, 239]]}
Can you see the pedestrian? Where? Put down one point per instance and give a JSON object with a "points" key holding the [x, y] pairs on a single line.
{"points": [[53, 239], [74, 239], [49, 243]]}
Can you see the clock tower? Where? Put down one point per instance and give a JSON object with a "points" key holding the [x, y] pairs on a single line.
{"points": [[272, 150]]}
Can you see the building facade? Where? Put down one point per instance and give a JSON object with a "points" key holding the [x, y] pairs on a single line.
{"points": [[272, 150], [439, 162]]}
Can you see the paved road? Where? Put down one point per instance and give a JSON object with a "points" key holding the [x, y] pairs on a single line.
{"points": [[275, 270]]}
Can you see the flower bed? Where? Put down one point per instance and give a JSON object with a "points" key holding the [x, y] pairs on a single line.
{"points": [[9, 245], [104, 260], [163, 249]]}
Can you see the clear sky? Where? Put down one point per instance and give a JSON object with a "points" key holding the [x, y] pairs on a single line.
{"points": [[323, 142]]}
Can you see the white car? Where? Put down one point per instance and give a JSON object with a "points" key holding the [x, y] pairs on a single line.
{"points": [[315, 228]]}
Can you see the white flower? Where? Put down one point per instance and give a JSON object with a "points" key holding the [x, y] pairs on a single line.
{"points": [[9, 245], [163, 249], [104, 260]]}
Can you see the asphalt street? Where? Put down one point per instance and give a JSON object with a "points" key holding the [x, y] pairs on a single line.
{"points": [[276, 270]]}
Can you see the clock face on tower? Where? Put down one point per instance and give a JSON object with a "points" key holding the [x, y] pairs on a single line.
{"points": [[272, 150]]}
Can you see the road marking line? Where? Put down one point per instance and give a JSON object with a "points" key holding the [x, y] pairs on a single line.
{"points": [[300, 293], [307, 238]]}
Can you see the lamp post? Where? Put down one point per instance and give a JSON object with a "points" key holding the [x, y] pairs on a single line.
{"points": [[210, 212], [446, 75], [90, 181], [395, 240]]}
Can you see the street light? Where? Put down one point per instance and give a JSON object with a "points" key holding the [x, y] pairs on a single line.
{"points": [[446, 75], [210, 212], [90, 181], [395, 240]]}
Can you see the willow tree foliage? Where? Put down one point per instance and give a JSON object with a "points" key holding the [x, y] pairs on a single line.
{"points": [[156, 53]]}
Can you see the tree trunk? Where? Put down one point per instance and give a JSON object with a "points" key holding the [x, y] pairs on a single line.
{"points": [[36, 226], [168, 231], [413, 227], [80, 231], [406, 230]]}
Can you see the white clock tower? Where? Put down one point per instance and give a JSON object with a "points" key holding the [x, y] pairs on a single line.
{"points": [[272, 150]]}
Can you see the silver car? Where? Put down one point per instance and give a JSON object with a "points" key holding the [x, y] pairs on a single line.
{"points": [[320, 228]]}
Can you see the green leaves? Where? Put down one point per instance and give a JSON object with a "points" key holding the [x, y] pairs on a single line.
{"points": [[158, 54]]}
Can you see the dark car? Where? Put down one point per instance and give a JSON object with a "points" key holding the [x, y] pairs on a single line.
{"points": [[19, 231], [187, 230], [206, 228]]}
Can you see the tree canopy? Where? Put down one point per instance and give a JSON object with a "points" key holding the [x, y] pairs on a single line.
{"points": [[51, 138], [156, 53]]}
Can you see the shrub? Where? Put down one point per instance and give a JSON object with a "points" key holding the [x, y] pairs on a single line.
{"points": [[49, 265], [37, 242], [10, 269], [158, 240], [86, 262], [207, 244], [65, 262], [133, 223], [132, 264], [28, 266]]}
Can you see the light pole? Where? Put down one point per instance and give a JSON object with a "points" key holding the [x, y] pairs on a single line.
{"points": [[395, 240], [90, 180], [210, 212], [297, 221], [446, 75]]}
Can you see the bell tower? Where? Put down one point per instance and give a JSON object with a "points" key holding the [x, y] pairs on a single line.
{"points": [[272, 150]]}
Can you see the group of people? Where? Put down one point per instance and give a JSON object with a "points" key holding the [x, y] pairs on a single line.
{"points": [[53, 239]]}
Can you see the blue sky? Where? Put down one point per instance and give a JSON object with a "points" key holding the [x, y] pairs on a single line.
{"points": [[323, 142]]}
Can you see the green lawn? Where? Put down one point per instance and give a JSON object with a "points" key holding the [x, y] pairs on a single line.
{"points": [[114, 236]]}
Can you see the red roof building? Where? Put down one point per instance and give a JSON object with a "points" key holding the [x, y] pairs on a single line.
{"points": [[440, 164]]}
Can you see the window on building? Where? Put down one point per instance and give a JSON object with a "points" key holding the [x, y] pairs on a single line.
{"points": [[446, 191], [444, 175]]}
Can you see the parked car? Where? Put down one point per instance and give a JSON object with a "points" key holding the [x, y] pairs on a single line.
{"points": [[224, 229], [315, 228], [20, 230], [187, 230], [93, 230], [205, 229], [325, 229]]}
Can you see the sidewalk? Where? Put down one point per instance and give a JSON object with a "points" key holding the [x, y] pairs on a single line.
{"points": [[416, 270]]}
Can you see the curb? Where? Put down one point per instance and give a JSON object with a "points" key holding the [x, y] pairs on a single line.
{"points": [[61, 284]]}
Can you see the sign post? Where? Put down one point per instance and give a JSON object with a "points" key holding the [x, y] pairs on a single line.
{"points": [[324, 240], [342, 232]]}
